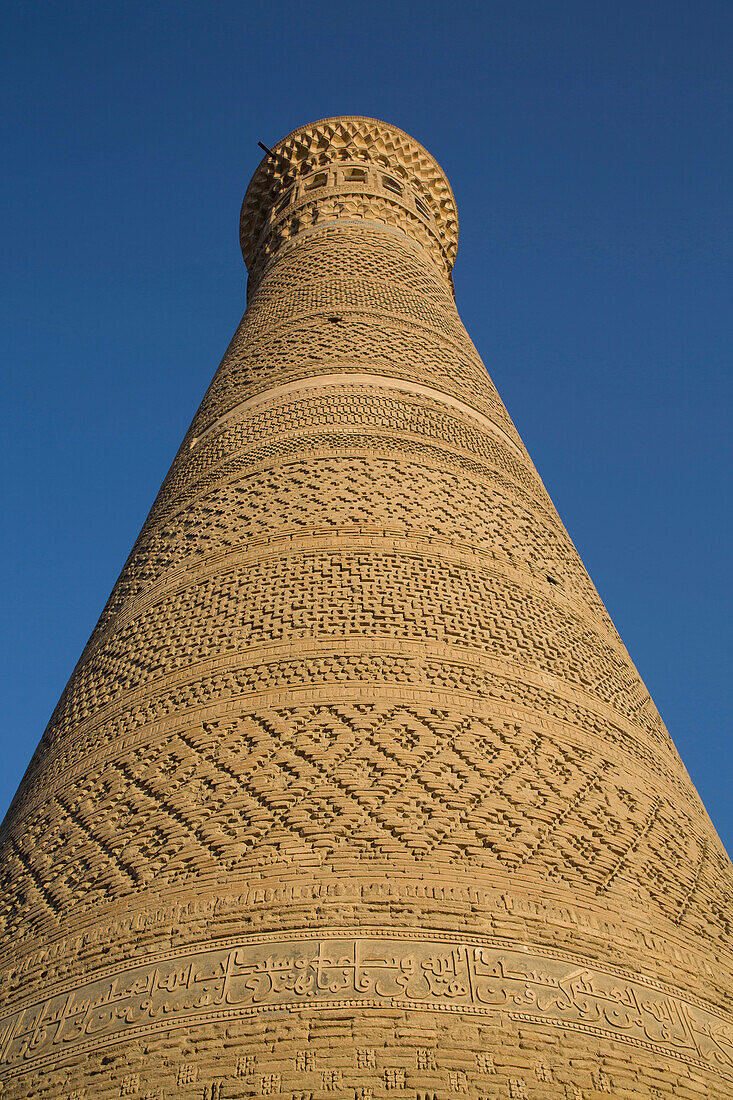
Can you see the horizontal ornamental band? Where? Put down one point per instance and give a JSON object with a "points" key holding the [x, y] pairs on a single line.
{"points": [[302, 386], [304, 971]]}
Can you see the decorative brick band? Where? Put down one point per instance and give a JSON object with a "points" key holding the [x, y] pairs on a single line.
{"points": [[437, 972]]}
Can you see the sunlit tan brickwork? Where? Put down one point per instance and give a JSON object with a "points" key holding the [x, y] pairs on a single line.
{"points": [[355, 791]]}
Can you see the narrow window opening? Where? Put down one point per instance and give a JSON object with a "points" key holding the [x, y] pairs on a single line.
{"points": [[551, 579], [319, 180], [422, 208], [355, 175], [391, 185]]}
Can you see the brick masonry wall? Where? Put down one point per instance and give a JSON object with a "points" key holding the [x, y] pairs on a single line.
{"points": [[355, 790]]}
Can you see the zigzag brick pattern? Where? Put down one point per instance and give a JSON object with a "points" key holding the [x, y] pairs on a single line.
{"points": [[355, 791]]}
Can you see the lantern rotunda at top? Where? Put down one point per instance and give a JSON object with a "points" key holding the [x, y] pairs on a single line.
{"points": [[347, 169]]}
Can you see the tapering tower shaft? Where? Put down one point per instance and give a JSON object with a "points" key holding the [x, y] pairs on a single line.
{"points": [[355, 788]]}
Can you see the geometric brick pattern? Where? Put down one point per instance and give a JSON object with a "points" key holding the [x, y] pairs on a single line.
{"points": [[355, 791]]}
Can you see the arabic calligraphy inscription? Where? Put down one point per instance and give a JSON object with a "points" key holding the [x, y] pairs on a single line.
{"points": [[247, 977]]}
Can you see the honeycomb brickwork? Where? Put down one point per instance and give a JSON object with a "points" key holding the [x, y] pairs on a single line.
{"points": [[355, 791]]}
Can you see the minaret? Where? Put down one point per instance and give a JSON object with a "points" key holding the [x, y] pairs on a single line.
{"points": [[355, 791]]}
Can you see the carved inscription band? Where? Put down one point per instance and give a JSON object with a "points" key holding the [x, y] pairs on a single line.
{"points": [[244, 977]]}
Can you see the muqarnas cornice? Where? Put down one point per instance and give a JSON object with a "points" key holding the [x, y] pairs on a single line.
{"points": [[343, 169]]}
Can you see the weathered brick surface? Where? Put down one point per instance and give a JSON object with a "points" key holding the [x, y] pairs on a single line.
{"points": [[355, 791]]}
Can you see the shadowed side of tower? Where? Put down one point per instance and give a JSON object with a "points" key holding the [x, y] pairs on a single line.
{"points": [[355, 790]]}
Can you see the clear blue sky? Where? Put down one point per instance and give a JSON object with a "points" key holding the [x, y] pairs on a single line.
{"points": [[590, 147]]}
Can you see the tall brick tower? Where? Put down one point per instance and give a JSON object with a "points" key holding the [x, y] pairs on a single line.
{"points": [[355, 791]]}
